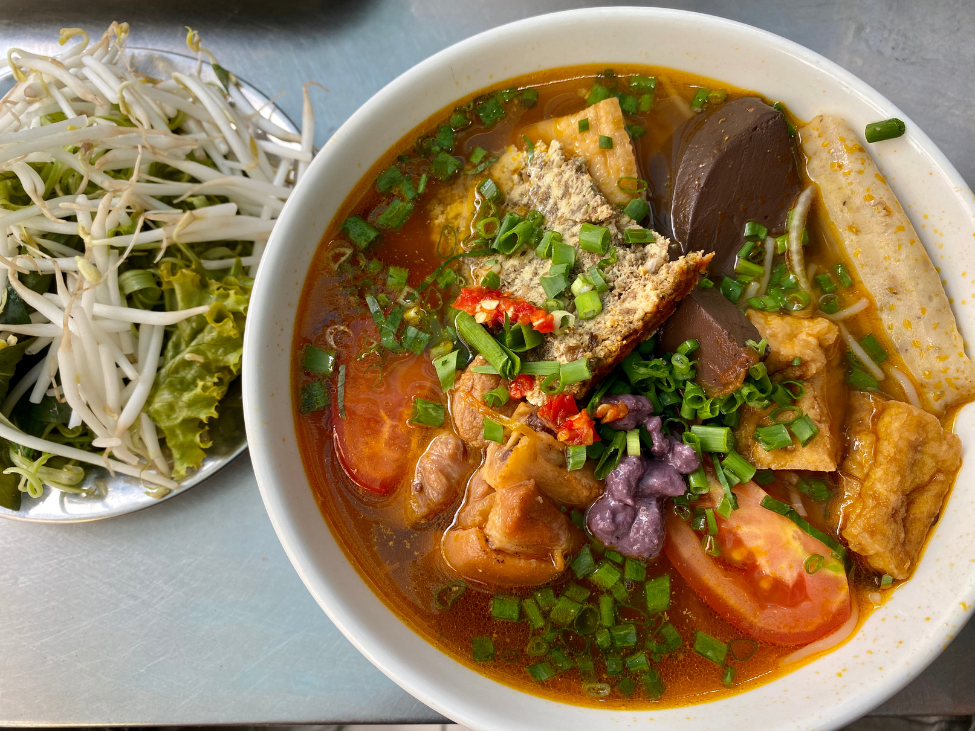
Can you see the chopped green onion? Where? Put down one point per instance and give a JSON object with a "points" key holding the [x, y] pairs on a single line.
{"points": [[427, 413], [637, 209], [497, 397], [773, 437], [885, 130], [545, 598], [554, 285], [814, 488], [483, 649], [633, 443], [422, 185], [446, 366], [862, 380], [598, 283], [829, 303], [563, 253], [638, 236], [843, 275], [728, 677], [532, 613], [493, 431], [319, 361], [507, 608], [505, 362], [575, 458], [584, 125], [605, 142], [395, 215], [597, 94], [361, 233], [605, 575], [804, 429], [489, 190], [565, 611], [732, 289], [615, 556], [764, 477], [542, 671], [544, 248], [588, 305], [490, 111], [760, 347], [593, 238], [813, 563], [749, 269], [653, 684], [607, 612], [755, 231], [312, 397], [878, 354], [577, 593], [770, 503], [825, 282], [491, 280], [575, 371], [709, 647], [415, 340], [584, 564], [714, 438], [341, 391], [580, 285], [634, 570], [637, 662], [635, 131], [396, 277], [389, 179], [886, 580], [658, 594], [624, 635]]}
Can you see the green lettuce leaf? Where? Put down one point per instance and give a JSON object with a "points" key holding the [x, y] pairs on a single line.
{"points": [[201, 358], [10, 357]]}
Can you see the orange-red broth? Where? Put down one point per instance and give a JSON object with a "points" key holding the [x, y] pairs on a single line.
{"points": [[403, 566]]}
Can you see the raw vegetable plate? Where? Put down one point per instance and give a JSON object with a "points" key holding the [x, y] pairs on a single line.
{"points": [[186, 296]]}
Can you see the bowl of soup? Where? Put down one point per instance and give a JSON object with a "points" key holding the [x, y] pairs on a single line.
{"points": [[608, 368]]}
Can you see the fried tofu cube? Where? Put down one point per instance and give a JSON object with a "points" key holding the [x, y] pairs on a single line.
{"points": [[816, 342], [899, 465]]}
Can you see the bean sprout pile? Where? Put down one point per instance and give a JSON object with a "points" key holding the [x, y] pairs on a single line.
{"points": [[134, 212]]}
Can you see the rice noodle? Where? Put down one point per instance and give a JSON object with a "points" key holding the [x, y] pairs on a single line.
{"points": [[908, 387], [798, 225], [828, 642], [875, 370], [849, 311]]}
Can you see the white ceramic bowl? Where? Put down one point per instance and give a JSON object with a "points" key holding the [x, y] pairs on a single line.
{"points": [[896, 643]]}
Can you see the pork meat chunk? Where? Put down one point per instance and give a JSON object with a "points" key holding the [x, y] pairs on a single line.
{"points": [[899, 465], [440, 476], [513, 536], [468, 421], [816, 342]]}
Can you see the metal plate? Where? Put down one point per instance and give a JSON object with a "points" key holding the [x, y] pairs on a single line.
{"points": [[109, 495]]}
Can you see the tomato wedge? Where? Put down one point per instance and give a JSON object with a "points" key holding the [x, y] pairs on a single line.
{"points": [[760, 583], [374, 442]]}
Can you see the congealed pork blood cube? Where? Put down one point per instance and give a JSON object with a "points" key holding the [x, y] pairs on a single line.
{"points": [[736, 164], [721, 330]]}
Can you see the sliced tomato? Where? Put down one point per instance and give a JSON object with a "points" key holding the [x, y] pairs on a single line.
{"points": [[761, 583], [374, 442]]}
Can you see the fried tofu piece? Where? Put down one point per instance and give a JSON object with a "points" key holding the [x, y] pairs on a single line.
{"points": [[606, 165], [817, 342], [899, 465]]}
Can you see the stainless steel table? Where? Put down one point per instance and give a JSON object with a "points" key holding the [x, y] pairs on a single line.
{"points": [[190, 612]]}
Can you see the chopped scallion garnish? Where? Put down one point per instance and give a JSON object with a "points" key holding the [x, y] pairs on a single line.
{"points": [[504, 607], [359, 231], [312, 397], [584, 125], [340, 389], [319, 361], [493, 431], [483, 648], [804, 429], [714, 438], [770, 503], [637, 209], [711, 648], [427, 413], [605, 142], [773, 437], [446, 367], [657, 592], [885, 130], [588, 305]]}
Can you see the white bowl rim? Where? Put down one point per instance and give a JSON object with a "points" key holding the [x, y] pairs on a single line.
{"points": [[856, 703]]}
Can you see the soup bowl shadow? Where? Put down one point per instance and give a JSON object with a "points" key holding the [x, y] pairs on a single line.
{"points": [[896, 642]]}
